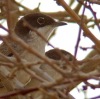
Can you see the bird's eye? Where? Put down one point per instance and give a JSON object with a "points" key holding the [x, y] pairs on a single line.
{"points": [[41, 20]]}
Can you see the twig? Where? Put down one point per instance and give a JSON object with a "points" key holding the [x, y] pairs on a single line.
{"points": [[8, 16], [33, 51], [57, 50], [12, 50], [79, 34], [97, 97], [8, 64], [21, 91], [1, 26], [33, 74], [25, 8], [61, 94], [39, 34], [5, 58], [78, 20], [92, 1], [93, 86], [94, 14]]}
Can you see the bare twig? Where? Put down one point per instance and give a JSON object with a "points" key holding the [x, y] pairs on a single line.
{"points": [[34, 75], [21, 91], [78, 20], [79, 34]]}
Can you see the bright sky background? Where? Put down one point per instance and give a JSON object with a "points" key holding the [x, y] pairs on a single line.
{"points": [[67, 35]]}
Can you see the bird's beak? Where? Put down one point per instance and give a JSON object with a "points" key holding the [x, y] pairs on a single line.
{"points": [[60, 23]]}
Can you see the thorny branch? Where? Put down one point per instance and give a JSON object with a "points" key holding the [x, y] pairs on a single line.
{"points": [[78, 20], [88, 6], [80, 30]]}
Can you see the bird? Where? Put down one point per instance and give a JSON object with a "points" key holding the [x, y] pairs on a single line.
{"points": [[56, 55], [43, 24], [56, 58], [53, 54]]}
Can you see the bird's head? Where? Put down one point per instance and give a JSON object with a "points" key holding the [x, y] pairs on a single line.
{"points": [[41, 23]]}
